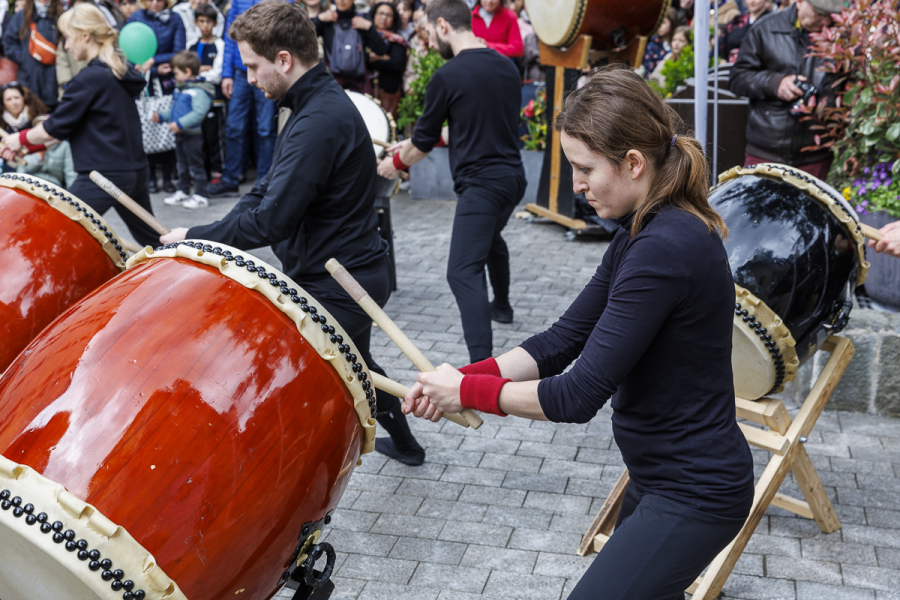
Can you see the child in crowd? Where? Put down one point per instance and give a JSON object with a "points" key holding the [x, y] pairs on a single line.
{"points": [[193, 99], [681, 39], [211, 50]]}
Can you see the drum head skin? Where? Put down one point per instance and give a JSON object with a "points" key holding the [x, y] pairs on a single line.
{"points": [[795, 254], [195, 403], [379, 123], [611, 23]]}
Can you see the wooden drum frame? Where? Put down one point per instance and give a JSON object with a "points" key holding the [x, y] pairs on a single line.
{"points": [[611, 24]]}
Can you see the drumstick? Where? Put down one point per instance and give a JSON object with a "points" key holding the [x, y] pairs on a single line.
{"points": [[352, 287], [870, 232], [130, 246], [395, 388], [3, 136], [125, 200], [380, 143]]}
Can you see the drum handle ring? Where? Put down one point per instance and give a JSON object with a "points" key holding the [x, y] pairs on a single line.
{"points": [[314, 578]]}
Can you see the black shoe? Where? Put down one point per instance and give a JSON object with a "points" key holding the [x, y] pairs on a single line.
{"points": [[501, 315], [152, 187], [223, 188], [386, 446], [168, 186], [402, 445]]}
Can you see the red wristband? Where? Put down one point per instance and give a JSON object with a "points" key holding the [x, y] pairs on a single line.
{"points": [[23, 139], [399, 164], [482, 392], [488, 366]]}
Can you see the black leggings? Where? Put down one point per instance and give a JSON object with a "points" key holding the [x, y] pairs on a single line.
{"points": [[481, 214], [353, 319], [658, 549], [133, 183]]}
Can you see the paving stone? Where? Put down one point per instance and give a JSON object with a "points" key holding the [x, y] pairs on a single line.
{"points": [[759, 588], [869, 498], [782, 567], [567, 468], [535, 483], [374, 568], [429, 470], [525, 434], [542, 450], [485, 534], [389, 591], [487, 477], [443, 441], [798, 527], [489, 445], [505, 462], [545, 541], [595, 488], [560, 503], [403, 525], [876, 536], [344, 588], [357, 542], [816, 591], [388, 503], [862, 467], [451, 510], [837, 552], [502, 559], [353, 520], [888, 558], [454, 457], [371, 463], [374, 483], [872, 577], [571, 523], [493, 496], [850, 514], [876, 482], [760, 543], [525, 586], [518, 517], [587, 442], [441, 490], [562, 565], [750, 564], [429, 551], [348, 498], [444, 577]]}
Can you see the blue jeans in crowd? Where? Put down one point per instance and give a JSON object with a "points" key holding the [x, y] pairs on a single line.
{"points": [[242, 102]]}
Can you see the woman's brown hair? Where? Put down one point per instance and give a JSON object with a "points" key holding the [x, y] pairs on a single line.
{"points": [[616, 111], [29, 11], [35, 107]]}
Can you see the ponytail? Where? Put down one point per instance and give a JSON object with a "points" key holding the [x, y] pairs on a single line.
{"points": [[616, 111], [86, 18]]}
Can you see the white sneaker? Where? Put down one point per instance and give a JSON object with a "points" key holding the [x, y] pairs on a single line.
{"points": [[176, 198], [195, 202]]}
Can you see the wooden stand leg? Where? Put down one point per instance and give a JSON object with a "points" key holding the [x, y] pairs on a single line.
{"points": [[606, 519], [559, 84], [816, 497]]}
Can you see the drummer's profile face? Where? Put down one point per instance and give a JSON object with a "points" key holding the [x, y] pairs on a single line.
{"points": [[263, 73], [612, 190], [436, 39]]}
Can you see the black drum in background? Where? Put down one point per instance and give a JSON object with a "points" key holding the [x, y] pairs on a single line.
{"points": [[797, 254]]}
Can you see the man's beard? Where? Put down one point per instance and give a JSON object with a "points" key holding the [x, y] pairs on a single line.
{"points": [[444, 49], [277, 89]]}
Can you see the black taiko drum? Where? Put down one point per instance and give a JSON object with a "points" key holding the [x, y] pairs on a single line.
{"points": [[797, 254]]}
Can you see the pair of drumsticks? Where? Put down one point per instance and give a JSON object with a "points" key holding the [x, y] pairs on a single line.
{"points": [[466, 418]]}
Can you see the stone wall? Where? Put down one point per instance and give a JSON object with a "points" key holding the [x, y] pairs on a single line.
{"points": [[871, 383]]}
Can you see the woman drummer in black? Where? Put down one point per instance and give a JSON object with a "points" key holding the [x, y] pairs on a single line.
{"points": [[652, 331], [98, 116]]}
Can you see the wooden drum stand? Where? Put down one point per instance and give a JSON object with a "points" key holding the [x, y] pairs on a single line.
{"points": [[555, 196], [781, 436]]}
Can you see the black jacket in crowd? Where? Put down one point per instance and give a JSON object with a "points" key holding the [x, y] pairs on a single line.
{"points": [[371, 39], [652, 331], [318, 199], [772, 49], [98, 116], [390, 72]]}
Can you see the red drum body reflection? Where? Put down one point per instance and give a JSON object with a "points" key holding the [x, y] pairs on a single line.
{"points": [[217, 423], [54, 250]]}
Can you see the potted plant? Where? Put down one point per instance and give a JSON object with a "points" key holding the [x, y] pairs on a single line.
{"points": [[534, 142], [862, 125]]}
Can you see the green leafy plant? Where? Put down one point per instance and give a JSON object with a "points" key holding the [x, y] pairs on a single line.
{"points": [[412, 105], [862, 125], [533, 115], [678, 71]]}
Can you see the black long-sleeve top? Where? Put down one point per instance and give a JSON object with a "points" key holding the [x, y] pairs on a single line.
{"points": [[653, 330], [390, 72], [479, 94], [98, 116], [371, 39], [318, 199]]}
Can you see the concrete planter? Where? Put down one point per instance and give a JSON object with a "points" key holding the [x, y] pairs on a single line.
{"points": [[431, 178], [883, 282]]}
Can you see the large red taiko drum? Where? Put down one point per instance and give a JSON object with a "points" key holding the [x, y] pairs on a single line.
{"points": [[54, 250], [610, 23], [204, 418]]}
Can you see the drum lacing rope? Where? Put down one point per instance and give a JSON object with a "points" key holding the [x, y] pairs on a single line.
{"points": [[273, 280]]}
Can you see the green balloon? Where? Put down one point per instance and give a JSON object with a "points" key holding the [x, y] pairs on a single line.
{"points": [[138, 42]]}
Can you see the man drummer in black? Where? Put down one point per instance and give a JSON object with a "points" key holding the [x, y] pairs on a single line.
{"points": [[318, 199], [478, 93]]}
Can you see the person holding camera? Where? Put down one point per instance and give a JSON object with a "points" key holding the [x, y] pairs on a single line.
{"points": [[774, 71]]}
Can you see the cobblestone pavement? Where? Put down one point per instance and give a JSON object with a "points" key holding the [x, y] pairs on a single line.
{"points": [[498, 512]]}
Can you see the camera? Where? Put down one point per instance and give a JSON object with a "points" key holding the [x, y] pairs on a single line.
{"points": [[809, 91]]}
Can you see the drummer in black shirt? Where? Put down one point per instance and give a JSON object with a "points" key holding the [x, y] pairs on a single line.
{"points": [[478, 93], [318, 199]]}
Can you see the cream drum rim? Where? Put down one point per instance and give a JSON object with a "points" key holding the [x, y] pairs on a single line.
{"points": [[45, 530], [571, 29], [76, 210], [358, 100], [819, 190], [315, 324]]}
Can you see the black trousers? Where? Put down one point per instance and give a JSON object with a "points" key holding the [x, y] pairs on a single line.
{"points": [[189, 153], [133, 183], [213, 127], [353, 319], [658, 549], [482, 211]]}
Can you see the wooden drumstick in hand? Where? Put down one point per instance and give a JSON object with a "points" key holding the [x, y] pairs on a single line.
{"points": [[125, 200], [871, 233], [356, 291], [19, 159]]}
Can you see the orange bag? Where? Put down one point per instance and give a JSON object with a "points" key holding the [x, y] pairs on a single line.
{"points": [[40, 48]]}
